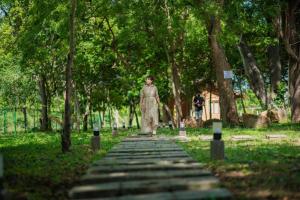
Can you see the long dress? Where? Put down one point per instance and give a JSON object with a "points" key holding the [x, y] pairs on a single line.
{"points": [[149, 100]]}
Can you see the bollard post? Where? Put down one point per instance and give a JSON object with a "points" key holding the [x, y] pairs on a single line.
{"points": [[170, 124], [115, 129], [95, 140], [182, 131], [217, 145]]}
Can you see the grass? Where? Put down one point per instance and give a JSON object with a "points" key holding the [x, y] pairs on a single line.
{"points": [[258, 169], [36, 169]]}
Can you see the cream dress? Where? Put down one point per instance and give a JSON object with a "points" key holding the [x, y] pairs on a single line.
{"points": [[149, 106]]}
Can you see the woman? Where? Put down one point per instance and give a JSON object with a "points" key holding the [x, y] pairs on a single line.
{"points": [[149, 101]]}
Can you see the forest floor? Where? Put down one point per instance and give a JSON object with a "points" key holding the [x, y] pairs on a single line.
{"points": [[260, 168]]}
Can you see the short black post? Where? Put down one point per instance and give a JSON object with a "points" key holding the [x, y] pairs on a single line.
{"points": [[182, 131], [115, 129], [217, 145], [95, 140], [170, 124]]}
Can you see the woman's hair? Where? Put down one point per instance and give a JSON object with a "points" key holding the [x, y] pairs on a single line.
{"points": [[150, 77]]}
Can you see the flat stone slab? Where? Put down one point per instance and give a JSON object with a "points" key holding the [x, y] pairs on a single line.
{"points": [[242, 137], [144, 167], [216, 193], [206, 137], [142, 175], [142, 186], [276, 136]]}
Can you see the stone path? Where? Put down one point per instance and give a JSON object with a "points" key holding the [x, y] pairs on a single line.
{"points": [[144, 168]]}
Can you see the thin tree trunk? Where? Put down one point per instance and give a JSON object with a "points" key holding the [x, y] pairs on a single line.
{"points": [[136, 118], [131, 114], [66, 135], [167, 109], [85, 122], [77, 109], [44, 102], [24, 109], [103, 117], [49, 128], [90, 110], [210, 97], [227, 102], [242, 98]]}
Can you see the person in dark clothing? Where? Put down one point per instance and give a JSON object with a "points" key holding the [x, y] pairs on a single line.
{"points": [[198, 104]]}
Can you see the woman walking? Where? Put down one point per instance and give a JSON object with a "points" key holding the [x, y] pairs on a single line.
{"points": [[149, 101]]}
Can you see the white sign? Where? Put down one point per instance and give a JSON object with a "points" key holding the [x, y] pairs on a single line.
{"points": [[217, 127], [228, 74]]}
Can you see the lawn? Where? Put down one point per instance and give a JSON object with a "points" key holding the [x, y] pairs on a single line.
{"points": [[36, 169], [258, 169]]}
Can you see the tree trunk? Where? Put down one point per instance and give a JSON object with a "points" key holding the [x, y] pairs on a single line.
{"points": [[136, 118], [77, 109], [290, 36], [49, 128], [253, 74], [85, 121], [176, 91], [66, 135], [273, 53], [274, 67], [227, 102], [242, 95], [24, 109], [175, 78], [44, 101], [168, 111], [103, 118], [131, 114], [90, 110]]}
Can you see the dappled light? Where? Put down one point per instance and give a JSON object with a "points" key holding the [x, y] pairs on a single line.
{"points": [[150, 99]]}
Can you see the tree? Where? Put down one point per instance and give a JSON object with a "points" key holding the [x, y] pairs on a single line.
{"points": [[66, 135]]}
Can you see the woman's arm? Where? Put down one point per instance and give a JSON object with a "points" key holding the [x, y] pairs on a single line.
{"points": [[156, 95]]}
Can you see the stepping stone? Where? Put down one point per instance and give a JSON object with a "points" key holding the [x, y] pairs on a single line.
{"points": [[171, 161], [276, 136], [206, 137], [148, 168], [242, 137], [142, 175], [142, 187], [182, 138], [187, 195], [141, 167]]}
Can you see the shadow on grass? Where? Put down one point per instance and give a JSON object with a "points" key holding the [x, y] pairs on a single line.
{"points": [[254, 170], [35, 168]]}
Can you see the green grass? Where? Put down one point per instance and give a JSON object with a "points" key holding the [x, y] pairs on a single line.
{"points": [[36, 169], [258, 169]]}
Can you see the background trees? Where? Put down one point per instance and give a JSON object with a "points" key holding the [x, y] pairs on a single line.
{"points": [[184, 44]]}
